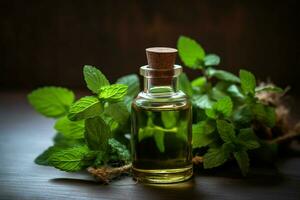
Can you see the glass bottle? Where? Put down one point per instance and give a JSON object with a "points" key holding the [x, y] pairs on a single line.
{"points": [[161, 122]]}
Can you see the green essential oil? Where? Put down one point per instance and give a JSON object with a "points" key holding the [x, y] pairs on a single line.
{"points": [[161, 123], [162, 144]]}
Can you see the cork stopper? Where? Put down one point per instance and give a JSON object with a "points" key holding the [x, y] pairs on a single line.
{"points": [[161, 57]]}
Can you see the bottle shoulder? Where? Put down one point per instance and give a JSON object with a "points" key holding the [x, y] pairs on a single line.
{"points": [[170, 101]]}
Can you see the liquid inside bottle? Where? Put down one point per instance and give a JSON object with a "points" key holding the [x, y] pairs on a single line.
{"points": [[161, 129]]}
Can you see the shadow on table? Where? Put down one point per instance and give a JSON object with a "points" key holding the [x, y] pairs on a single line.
{"points": [[264, 176], [138, 190], [204, 184], [184, 190]]}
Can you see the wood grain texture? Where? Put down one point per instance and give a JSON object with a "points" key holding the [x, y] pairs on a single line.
{"points": [[47, 42], [24, 134]]}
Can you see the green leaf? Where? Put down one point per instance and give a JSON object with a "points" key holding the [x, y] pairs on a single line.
{"points": [[159, 140], [70, 129], [199, 82], [102, 157], [43, 159], [217, 93], [113, 93], [243, 161], [169, 118], [248, 138], [84, 108], [133, 83], [51, 101], [185, 84], [264, 114], [268, 88], [201, 134], [248, 81], [66, 142], [118, 111], [211, 60], [202, 101], [70, 160], [94, 78], [235, 91], [226, 130], [97, 133], [222, 75], [110, 122], [223, 106], [243, 116], [215, 157], [190, 52], [127, 102], [203, 127], [118, 150]]}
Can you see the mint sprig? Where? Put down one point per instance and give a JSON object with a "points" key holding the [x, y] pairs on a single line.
{"points": [[92, 129], [94, 78], [86, 126], [51, 101], [84, 108]]}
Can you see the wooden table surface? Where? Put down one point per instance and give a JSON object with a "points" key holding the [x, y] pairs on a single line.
{"points": [[24, 134]]}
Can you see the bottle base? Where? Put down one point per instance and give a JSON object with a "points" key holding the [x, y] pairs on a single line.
{"points": [[163, 175]]}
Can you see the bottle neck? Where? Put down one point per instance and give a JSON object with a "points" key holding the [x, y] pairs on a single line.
{"points": [[163, 85]]}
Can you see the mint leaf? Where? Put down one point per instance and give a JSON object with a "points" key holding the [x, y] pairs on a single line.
{"points": [[169, 118], [248, 138], [190, 52], [223, 106], [102, 157], [133, 83], [264, 114], [235, 91], [243, 161], [113, 93], [217, 93], [70, 129], [118, 151], [201, 134], [110, 122], [185, 84], [202, 101], [118, 111], [211, 60], [226, 130], [51, 101], [248, 81], [66, 142], [128, 102], [70, 160], [43, 158], [203, 127], [94, 78], [199, 82], [222, 75], [159, 140], [215, 157], [243, 116], [97, 133], [271, 89], [84, 108]]}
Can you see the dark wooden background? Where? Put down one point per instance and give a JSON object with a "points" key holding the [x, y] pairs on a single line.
{"points": [[47, 42]]}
